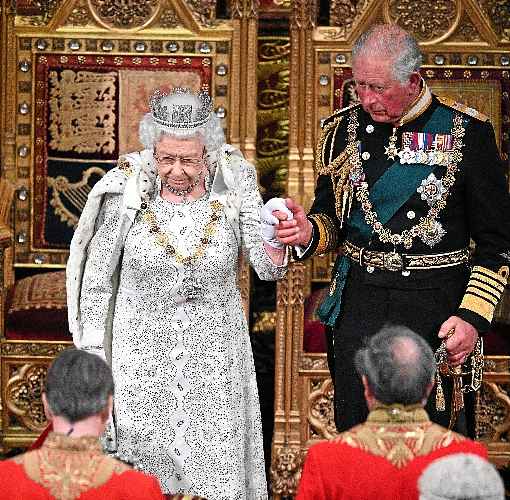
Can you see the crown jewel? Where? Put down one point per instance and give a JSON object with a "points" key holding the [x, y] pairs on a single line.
{"points": [[180, 108]]}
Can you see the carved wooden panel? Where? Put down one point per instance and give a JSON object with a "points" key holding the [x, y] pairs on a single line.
{"points": [[23, 388], [493, 409], [23, 371]]}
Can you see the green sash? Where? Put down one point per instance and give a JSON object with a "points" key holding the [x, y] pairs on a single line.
{"points": [[389, 193]]}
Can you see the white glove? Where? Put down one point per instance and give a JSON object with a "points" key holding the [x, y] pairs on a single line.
{"points": [[268, 221]]}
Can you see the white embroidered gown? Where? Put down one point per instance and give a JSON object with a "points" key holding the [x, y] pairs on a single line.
{"points": [[186, 401]]}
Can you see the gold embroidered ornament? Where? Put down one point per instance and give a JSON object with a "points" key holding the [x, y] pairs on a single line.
{"points": [[340, 170], [428, 228]]}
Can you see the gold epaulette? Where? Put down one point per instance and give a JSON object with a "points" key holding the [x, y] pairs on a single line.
{"points": [[484, 291], [321, 160], [452, 103], [329, 127], [125, 167], [341, 111], [328, 234]]}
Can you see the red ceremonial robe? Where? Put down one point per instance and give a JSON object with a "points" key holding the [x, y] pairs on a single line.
{"points": [[380, 459], [67, 468]]}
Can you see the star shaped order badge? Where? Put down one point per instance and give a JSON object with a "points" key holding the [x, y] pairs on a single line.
{"points": [[391, 151]]}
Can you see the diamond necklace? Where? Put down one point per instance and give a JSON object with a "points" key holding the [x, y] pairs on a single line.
{"points": [[182, 193]]}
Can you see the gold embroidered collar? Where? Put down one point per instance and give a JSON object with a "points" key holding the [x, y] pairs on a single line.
{"points": [[398, 414], [399, 434], [67, 466], [57, 441]]}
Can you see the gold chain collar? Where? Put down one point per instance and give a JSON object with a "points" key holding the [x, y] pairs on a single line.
{"points": [[425, 224], [168, 241]]}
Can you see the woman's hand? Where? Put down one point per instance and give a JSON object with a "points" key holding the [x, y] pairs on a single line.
{"points": [[271, 215]]}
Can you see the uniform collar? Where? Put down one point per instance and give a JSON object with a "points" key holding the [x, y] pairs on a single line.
{"points": [[398, 414], [62, 442], [418, 106]]}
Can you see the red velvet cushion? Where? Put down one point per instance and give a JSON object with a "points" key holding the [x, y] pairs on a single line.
{"points": [[314, 333], [37, 308]]}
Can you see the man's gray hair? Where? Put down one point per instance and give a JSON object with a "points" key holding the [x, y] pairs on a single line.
{"points": [[398, 364], [461, 476], [78, 385], [392, 43]]}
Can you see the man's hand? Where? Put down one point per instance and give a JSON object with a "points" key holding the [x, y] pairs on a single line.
{"points": [[271, 214], [297, 231], [462, 342]]}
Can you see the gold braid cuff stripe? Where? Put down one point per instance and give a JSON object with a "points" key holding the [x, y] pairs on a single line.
{"points": [[328, 235], [484, 290]]}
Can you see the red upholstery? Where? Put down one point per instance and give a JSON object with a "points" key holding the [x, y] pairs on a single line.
{"points": [[314, 336], [37, 309]]}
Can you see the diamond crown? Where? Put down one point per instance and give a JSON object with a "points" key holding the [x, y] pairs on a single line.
{"points": [[180, 108]]}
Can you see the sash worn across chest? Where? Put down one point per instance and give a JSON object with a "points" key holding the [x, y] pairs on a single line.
{"points": [[388, 194], [399, 182]]}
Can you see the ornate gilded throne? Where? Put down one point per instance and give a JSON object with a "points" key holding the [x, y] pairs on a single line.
{"points": [[75, 79], [466, 46]]}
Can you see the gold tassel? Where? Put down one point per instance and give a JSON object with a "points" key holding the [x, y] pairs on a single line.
{"points": [[440, 402], [457, 396]]}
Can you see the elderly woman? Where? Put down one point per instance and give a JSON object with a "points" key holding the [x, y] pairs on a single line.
{"points": [[152, 286]]}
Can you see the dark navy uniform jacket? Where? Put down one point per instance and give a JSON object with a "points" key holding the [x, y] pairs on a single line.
{"points": [[477, 207]]}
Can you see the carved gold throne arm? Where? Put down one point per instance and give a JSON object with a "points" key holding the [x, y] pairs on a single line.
{"points": [[6, 261], [6, 246]]}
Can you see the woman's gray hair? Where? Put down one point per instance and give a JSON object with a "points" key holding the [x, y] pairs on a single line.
{"points": [[394, 44], [78, 385], [398, 364], [461, 476], [211, 133]]}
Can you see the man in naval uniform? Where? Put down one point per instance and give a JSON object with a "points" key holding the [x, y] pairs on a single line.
{"points": [[405, 180]]}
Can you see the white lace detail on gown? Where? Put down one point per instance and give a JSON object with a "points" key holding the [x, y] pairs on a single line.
{"points": [[186, 401]]}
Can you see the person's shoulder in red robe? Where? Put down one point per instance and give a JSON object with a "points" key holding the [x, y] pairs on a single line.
{"points": [[378, 462], [113, 480]]}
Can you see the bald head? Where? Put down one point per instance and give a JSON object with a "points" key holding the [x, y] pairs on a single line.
{"points": [[391, 45], [399, 366], [406, 350]]}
